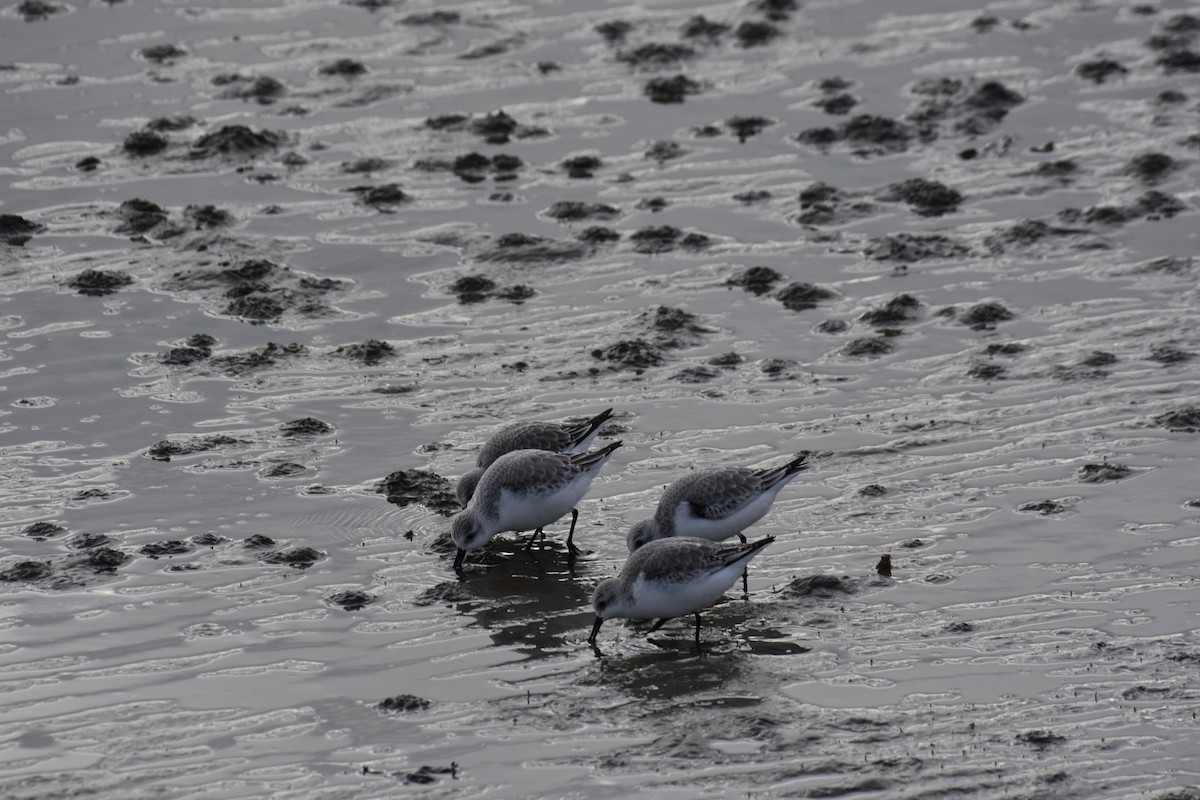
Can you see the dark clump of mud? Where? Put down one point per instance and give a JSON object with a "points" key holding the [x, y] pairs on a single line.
{"points": [[1023, 234], [758, 280], [1185, 419], [985, 316], [162, 53], [926, 197], [268, 355], [659, 239], [41, 531], [237, 141], [665, 150], [497, 127], [145, 143], [25, 571], [384, 197], [986, 371], [745, 127], [362, 166], [403, 703], [298, 557], [474, 167], [900, 309], [598, 234], [306, 426], [820, 586], [670, 90], [1100, 70], [801, 296], [99, 282], [695, 374], [1151, 167], [1169, 354], [582, 166], [172, 122], [350, 600], [636, 354], [1040, 740], [478, 288], [865, 133], [15, 230], [1098, 473], [656, 54], [867, 347], [370, 352], [140, 216], [262, 89], [285, 469], [172, 547], [344, 67], [1150, 205], [258, 290], [914, 247], [1046, 508], [700, 27], [167, 449], [407, 486], [755, 33], [872, 490], [574, 211], [522, 248]]}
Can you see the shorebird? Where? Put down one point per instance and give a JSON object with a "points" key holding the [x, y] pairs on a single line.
{"points": [[670, 578], [557, 437], [526, 490]]}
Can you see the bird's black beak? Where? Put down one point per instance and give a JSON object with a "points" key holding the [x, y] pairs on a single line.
{"points": [[458, 559], [595, 630]]}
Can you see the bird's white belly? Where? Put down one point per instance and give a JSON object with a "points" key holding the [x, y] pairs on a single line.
{"points": [[715, 530], [525, 511], [665, 599]]}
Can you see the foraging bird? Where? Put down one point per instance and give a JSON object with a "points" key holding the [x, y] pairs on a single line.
{"points": [[524, 490], [715, 503], [672, 577], [557, 437]]}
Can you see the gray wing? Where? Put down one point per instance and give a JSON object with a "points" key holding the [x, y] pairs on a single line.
{"points": [[537, 435], [681, 558], [524, 436], [674, 559], [712, 493]]}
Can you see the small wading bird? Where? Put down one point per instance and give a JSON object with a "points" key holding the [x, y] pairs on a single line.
{"points": [[526, 490], [670, 578], [557, 437], [715, 503]]}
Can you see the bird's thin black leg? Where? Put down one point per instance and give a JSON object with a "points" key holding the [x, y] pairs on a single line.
{"points": [[571, 548], [658, 625], [532, 539]]}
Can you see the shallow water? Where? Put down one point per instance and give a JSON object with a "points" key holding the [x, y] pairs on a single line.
{"points": [[998, 386]]}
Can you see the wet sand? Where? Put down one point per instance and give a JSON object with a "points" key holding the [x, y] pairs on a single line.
{"points": [[272, 273]]}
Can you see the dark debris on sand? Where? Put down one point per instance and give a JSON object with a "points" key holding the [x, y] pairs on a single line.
{"points": [[407, 486], [15, 230], [99, 282], [370, 352], [758, 280], [351, 600], [168, 449], [479, 288], [258, 290]]}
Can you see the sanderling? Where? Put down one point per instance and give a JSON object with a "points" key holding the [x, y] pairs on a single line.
{"points": [[671, 577], [525, 490], [715, 503], [557, 437]]}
